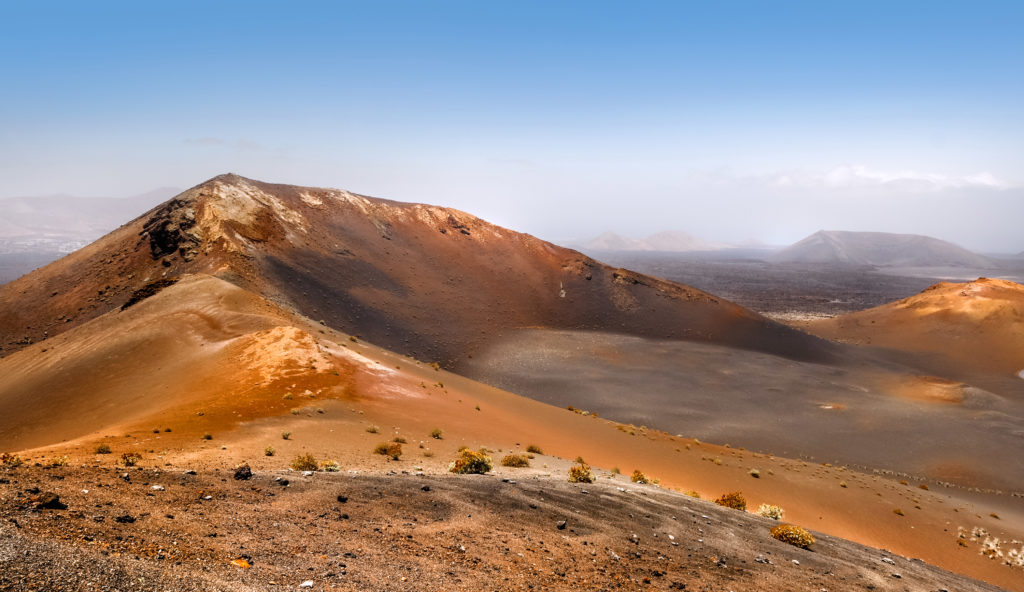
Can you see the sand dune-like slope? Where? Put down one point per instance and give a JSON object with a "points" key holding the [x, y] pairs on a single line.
{"points": [[422, 280], [977, 326], [206, 375]]}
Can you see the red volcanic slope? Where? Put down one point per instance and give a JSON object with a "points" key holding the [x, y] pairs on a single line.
{"points": [[977, 326], [421, 280]]}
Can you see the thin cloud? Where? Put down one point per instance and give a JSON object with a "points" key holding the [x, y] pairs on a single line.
{"points": [[861, 176]]}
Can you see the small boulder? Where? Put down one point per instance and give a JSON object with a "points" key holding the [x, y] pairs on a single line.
{"points": [[50, 501], [243, 472]]}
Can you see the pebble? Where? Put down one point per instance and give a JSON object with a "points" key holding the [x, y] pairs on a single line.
{"points": [[157, 488], [561, 525], [308, 474], [306, 584]]}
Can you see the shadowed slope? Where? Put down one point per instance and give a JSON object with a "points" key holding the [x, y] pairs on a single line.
{"points": [[421, 280]]}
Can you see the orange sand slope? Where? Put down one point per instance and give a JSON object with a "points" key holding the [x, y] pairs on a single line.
{"points": [[203, 357], [978, 327]]}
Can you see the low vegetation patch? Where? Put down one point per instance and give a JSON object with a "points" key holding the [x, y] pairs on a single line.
{"points": [[60, 461], [638, 477], [9, 459], [770, 511], [734, 500], [330, 466], [470, 462], [792, 535], [130, 459], [269, 451], [103, 449], [515, 460], [304, 462], [372, 429], [534, 449], [392, 450], [581, 473], [437, 434]]}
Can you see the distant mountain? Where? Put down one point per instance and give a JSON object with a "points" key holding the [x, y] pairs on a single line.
{"points": [[72, 218], [879, 248], [37, 230], [669, 241]]}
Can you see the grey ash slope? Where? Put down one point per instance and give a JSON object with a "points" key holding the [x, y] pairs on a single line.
{"points": [[880, 248]]}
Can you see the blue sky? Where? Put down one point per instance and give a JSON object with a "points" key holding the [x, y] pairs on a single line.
{"points": [[728, 120]]}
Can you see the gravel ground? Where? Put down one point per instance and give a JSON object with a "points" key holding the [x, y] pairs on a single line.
{"points": [[146, 529]]}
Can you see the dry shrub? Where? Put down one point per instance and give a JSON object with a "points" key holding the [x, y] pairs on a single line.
{"points": [[770, 511], [792, 535], [130, 459], [389, 449], [534, 449], [9, 459], [470, 462], [638, 477], [60, 461], [330, 466], [734, 500], [103, 449], [515, 460], [437, 434], [580, 474], [304, 462]]}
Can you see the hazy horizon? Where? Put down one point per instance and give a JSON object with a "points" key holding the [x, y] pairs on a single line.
{"points": [[740, 121]]}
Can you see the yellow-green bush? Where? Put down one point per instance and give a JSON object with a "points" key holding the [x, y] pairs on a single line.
{"points": [[580, 474], [515, 460], [470, 462], [792, 535], [734, 500], [638, 477], [304, 462]]}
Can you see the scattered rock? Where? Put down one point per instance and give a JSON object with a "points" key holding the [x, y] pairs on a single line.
{"points": [[243, 472], [561, 525], [241, 563], [425, 488], [343, 499], [306, 584], [125, 519], [50, 501], [158, 488]]}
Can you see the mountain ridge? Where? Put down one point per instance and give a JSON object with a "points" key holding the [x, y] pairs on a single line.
{"points": [[380, 268], [879, 248]]}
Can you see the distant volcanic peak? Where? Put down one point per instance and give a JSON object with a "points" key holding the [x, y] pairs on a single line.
{"points": [[879, 248]]}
